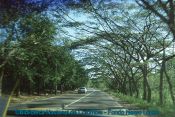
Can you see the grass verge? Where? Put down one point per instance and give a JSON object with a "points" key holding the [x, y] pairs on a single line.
{"points": [[165, 110]]}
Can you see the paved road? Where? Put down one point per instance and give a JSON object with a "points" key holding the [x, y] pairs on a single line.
{"points": [[95, 100]]}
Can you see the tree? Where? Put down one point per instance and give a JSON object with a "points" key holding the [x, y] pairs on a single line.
{"points": [[166, 12], [137, 34], [10, 13], [164, 9]]}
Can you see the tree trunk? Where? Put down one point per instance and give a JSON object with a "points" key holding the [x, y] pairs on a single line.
{"points": [[161, 83], [134, 84], [124, 87], [61, 89], [56, 89], [50, 91], [146, 86], [30, 88], [39, 87], [135, 87], [161, 76], [137, 93], [1, 77], [149, 91], [130, 87], [18, 88], [170, 87], [144, 83]]}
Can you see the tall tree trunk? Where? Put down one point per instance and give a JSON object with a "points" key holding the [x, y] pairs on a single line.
{"points": [[161, 76], [30, 88], [137, 93], [170, 87], [149, 91], [161, 83], [39, 87], [130, 87], [124, 91], [144, 83], [44, 88], [18, 89], [135, 87], [1, 77], [61, 89], [56, 89], [134, 84], [146, 86]]}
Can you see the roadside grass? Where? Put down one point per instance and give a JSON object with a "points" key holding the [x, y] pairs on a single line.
{"points": [[167, 110], [27, 98]]}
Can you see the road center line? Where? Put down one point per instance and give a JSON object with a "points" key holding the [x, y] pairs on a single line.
{"points": [[79, 99]]}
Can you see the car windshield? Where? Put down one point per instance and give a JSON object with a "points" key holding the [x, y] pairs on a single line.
{"points": [[87, 55]]}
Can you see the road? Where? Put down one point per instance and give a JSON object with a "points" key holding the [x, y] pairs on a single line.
{"points": [[94, 100]]}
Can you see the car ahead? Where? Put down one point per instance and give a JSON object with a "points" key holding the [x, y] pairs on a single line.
{"points": [[82, 90]]}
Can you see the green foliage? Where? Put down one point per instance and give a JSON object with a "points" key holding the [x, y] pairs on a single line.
{"points": [[37, 61], [73, 75]]}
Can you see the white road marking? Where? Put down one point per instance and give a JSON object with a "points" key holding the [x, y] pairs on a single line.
{"points": [[79, 99]]}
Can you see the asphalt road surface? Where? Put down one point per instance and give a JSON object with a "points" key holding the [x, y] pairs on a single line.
{"points": [[94, 101]]}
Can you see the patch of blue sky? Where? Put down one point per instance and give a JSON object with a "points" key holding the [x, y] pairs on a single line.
{"points": [[3, 35], [82, 19]]}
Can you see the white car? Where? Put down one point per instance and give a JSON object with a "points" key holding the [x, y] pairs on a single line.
{"points": [[82, 90]]}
